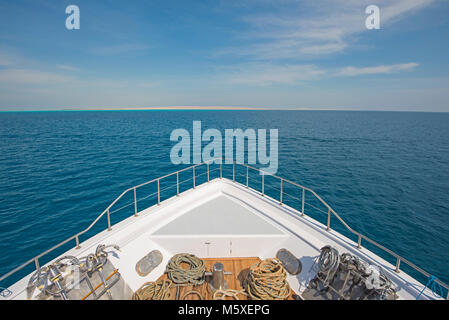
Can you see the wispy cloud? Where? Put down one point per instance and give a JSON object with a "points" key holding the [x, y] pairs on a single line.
{"points": [[262, 74], [268, 74], [17, 70], [330, 26], [31, 77], [67, 67], [382, 69], [6, 60], [119, 49]]}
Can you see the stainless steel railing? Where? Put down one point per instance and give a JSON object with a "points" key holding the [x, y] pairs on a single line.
{"points": [[330, 212]]}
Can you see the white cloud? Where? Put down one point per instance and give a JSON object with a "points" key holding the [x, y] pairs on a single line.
{"points": [[146, 84], [261, 74], [311, 28], [268, 74], [67, 67], [32, 77], [6, 60], [119, 49], [382, 69]]}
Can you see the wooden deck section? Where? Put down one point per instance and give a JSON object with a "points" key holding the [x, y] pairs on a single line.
{"points": [[239, 268]]}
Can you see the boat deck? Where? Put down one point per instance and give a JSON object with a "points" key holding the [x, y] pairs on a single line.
{"points": [[239, 268], [224, 219]]}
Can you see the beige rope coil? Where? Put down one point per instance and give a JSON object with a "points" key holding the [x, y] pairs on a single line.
{"points": [[222, 294], [192, 292], [158, 290], [267, 281], [193, 275]]}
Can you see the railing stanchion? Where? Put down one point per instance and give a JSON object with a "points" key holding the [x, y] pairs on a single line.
{"points": [[303, 200], [359, 242], [398, 264], [36, 262], [193, 172], [135, 203], [177, 183], [77, 240], [247, 176], [109, 220], [221, 168], [280, 197], [328, 219], [158, 193], [233, 171], [263, 184], [208, 178]]}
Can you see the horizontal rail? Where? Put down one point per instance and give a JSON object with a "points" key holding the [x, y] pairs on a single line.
{"points": [[329, 212]]}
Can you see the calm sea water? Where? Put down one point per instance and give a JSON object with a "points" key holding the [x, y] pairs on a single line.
{"points": [[386, 173]]}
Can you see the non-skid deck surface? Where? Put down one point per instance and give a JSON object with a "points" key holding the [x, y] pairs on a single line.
{"points": [[239, 268]]}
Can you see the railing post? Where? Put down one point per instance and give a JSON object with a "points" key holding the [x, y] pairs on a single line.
{"points": [[280, 197], [208, 178], [359, 242], [233, 171], [77, 240], [36, 262], [158, 193], [135, 203], [193, 177], [109, 220], [328, 219], [398, 264], [177, 183], [247, 176], [303, 200], [221, 168], [263, 184]]}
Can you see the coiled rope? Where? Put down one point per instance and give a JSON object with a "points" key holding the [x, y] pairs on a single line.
{"points": [[180, 276], [158, 290], [267, 281], [222, 294], [432, 285], [328, 263], [192, 292]]}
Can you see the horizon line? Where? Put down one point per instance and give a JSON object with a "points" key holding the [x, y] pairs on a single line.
{"points": [[215, 108]]}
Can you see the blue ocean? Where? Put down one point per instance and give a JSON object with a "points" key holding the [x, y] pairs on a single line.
{"points": [[385, 173]]}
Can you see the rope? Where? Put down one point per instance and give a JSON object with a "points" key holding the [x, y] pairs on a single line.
{"points": [[328, 263], [228, 293], [432, 285], [158, 290], [192, 292], [180, 276], [98, 286], [267, 281]]}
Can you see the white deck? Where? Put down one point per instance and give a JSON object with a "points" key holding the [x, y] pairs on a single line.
{"points": [[224, 219], [218, 216]]}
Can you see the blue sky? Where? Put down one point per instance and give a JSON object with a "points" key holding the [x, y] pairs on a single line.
{"points": [[314, 54]]}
